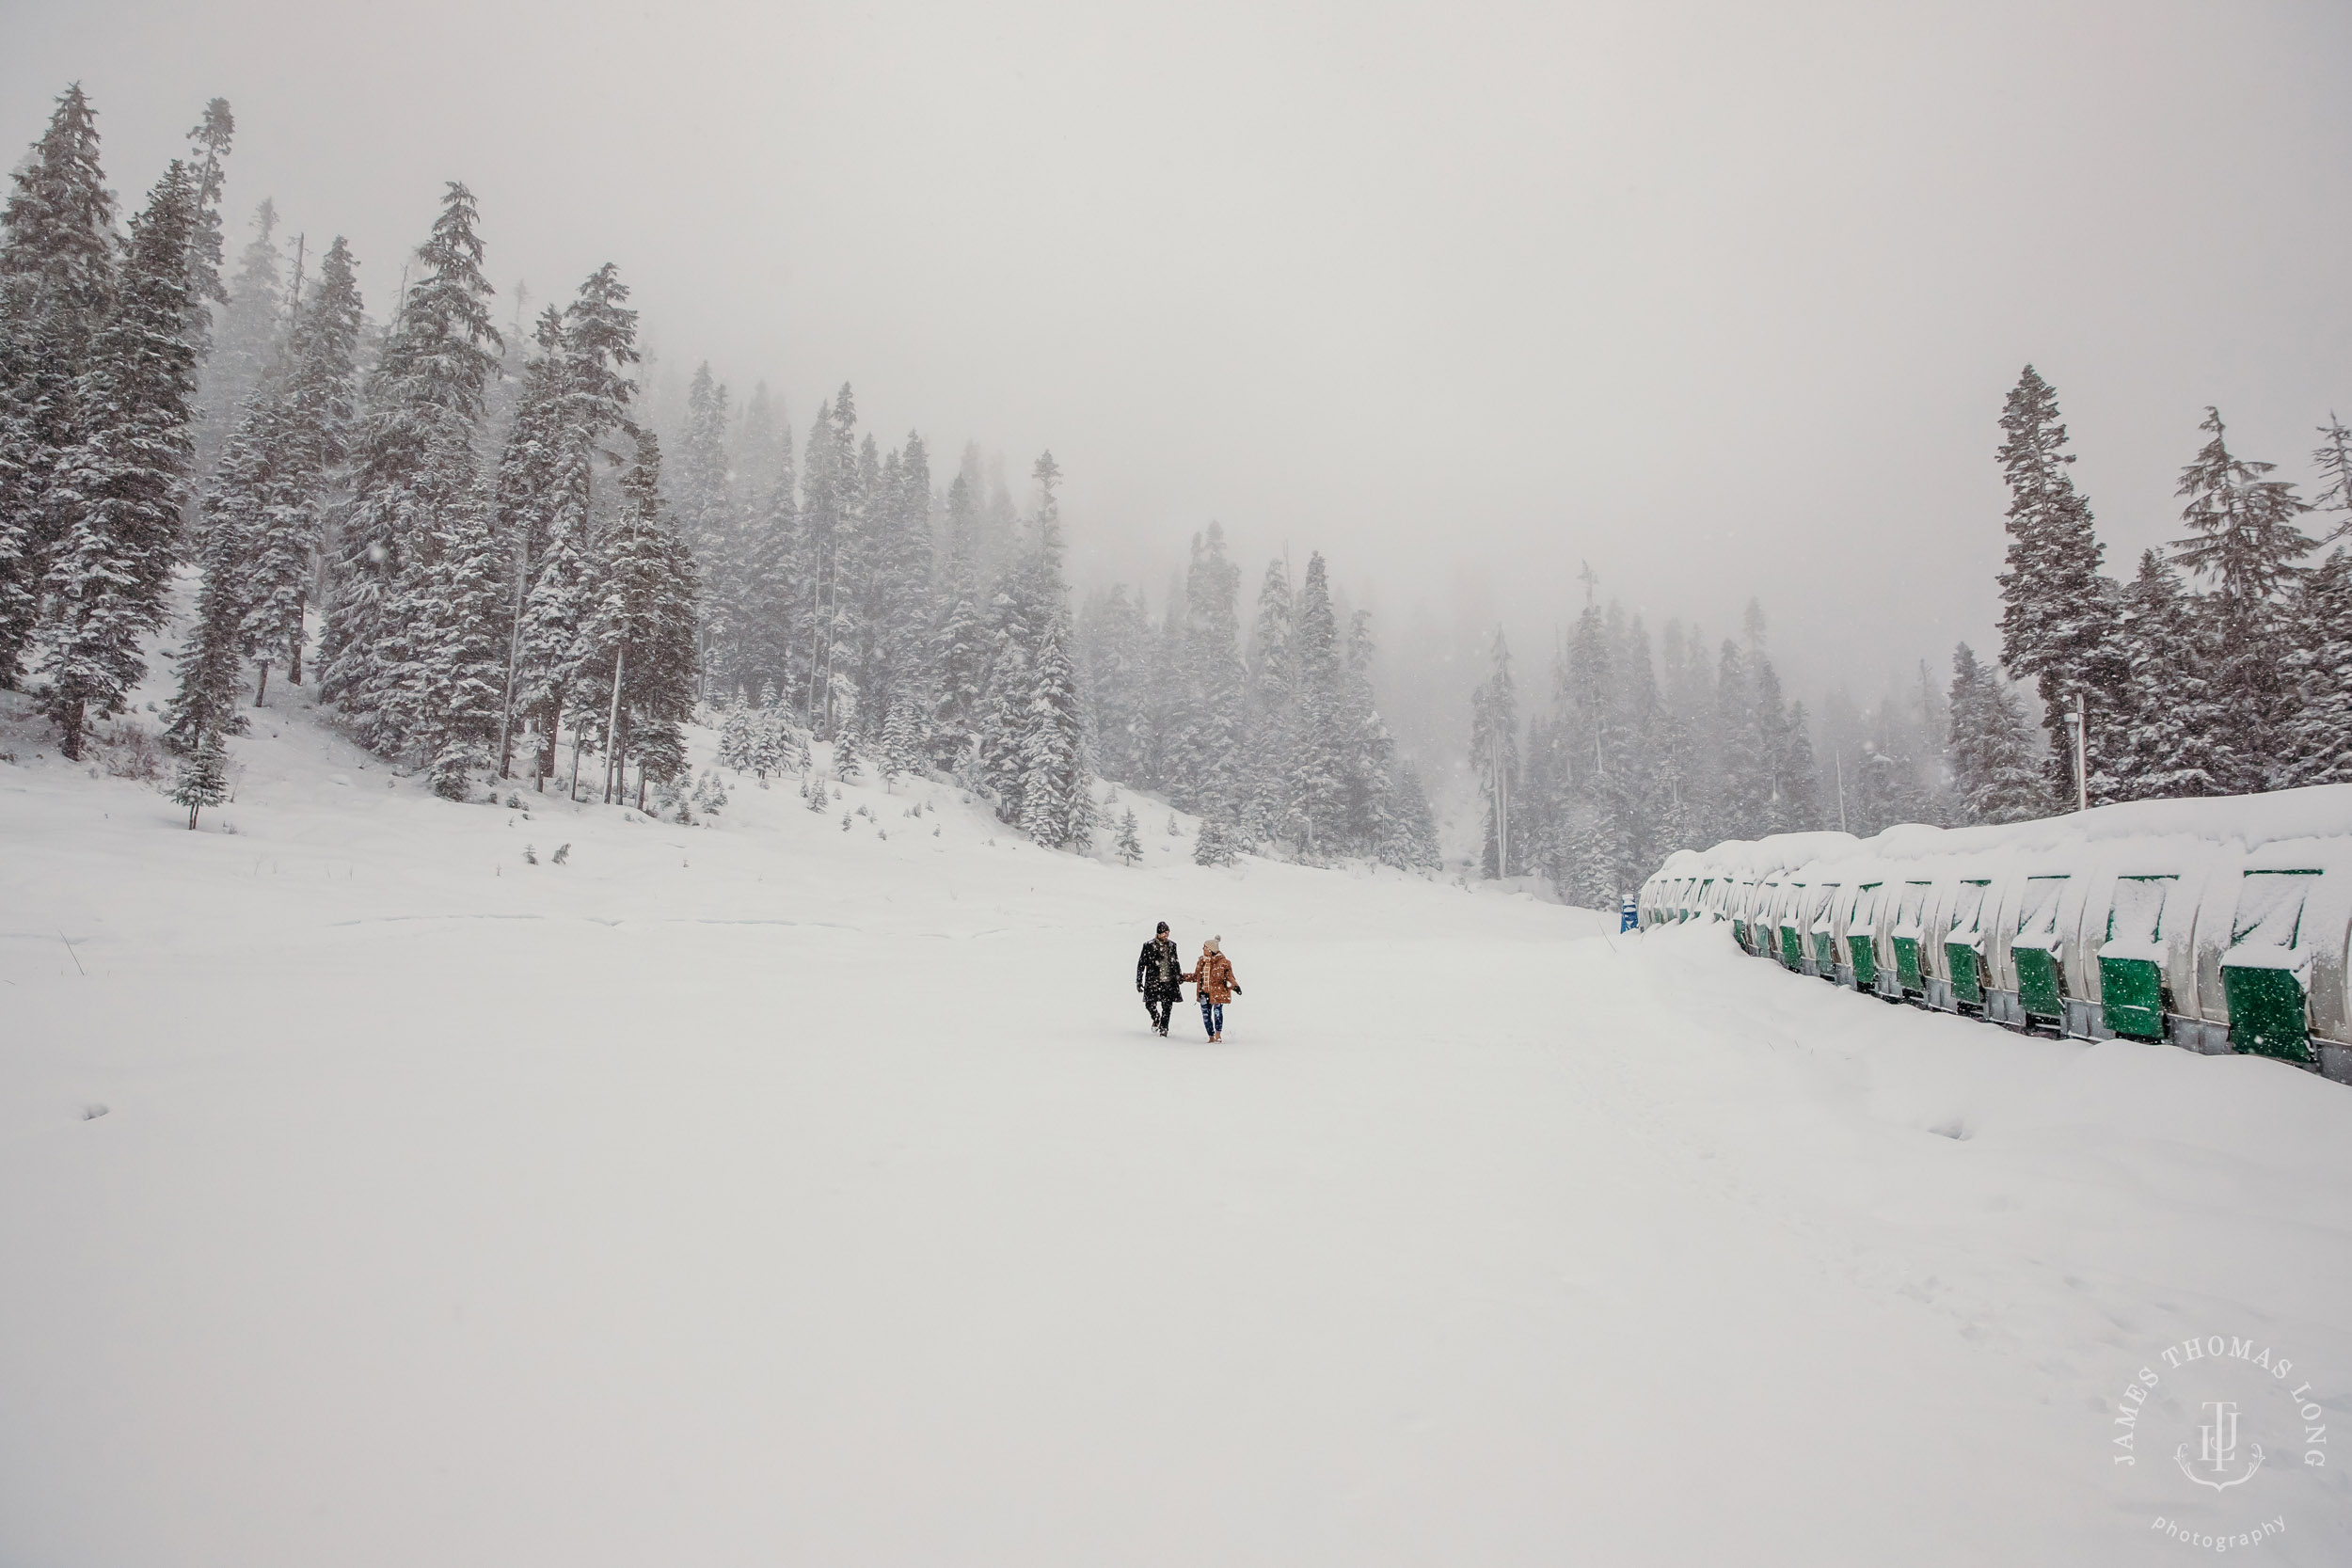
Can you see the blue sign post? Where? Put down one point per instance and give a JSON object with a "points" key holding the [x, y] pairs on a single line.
{"points": [[1627, 916]]}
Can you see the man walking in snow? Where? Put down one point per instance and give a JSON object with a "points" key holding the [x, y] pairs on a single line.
{"points": [[1159, 974]]}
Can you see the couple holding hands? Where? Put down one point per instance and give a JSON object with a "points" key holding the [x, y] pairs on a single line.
{"points": [[1160, 976]]}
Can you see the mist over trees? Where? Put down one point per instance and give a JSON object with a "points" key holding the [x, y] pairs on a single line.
{"points": [[2224, 666], [510, 573], [506, 577]]}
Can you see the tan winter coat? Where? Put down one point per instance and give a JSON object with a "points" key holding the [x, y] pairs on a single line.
{"points": [[1215, 979]]}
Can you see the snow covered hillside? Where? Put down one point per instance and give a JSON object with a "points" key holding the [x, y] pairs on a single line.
{"points": [[783, 1191]]}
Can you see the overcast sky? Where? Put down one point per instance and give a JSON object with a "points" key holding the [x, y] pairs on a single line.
{"points": [[1722, 297]]}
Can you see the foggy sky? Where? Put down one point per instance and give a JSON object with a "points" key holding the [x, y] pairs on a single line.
{"points": [[1724, 297]]}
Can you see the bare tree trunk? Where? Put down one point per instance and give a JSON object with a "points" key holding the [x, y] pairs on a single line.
{"points": [[293, 651], [262, 689], [613, 725], [514, 658], [552, 717]]}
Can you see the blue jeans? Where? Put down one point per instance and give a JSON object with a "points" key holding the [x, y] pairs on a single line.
{"points": [[1213, 1016]]}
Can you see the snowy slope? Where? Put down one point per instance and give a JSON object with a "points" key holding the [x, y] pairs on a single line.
{"points": [[771, 1192]]}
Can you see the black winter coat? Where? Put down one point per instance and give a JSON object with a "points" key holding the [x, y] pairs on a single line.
{"points": [[1159, 968]]}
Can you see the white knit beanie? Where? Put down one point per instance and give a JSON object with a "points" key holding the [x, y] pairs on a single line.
{"points": [[1212, 946]]}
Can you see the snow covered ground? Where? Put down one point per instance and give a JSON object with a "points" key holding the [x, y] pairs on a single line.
{"points": [[769, 1191]]}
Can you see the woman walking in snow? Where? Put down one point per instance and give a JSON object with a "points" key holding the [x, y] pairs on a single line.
{"points": [[1213, 979]]}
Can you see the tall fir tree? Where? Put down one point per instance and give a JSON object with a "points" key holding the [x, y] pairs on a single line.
{"points": [[2319, 736], [959, 641], [2333, 459], [1414, 848], [1368, 751], [1272, 704], [2174, 725], [57, 287], [245, 341], [2244, 536], [303, 429], [1495, 758], [1204, 759], [642, 635], [118, 489], [424, 401], [577, 397], [209, 142], [1997, 771], [1317, 807], [1057, 781], [212, 650], [454, 681], [2057, 612]]}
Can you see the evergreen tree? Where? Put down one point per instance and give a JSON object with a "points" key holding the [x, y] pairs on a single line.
{"points": [[208, 154], [2057, 612], [1202, 767], [763, 445], [2174, 724], [425, 400], [2243, 536], [1317, 809], [246, 343], [1744, 795], [735, 737], [1495, 758], [1056, 793], [642, 633], [303, 429], [832, 514], [902, 738], [1130, 839], [959, 641], [1272, 704], [1766, 723], [1801, 779], [1995, 770], [576, 397], [1215, 844], [454, 681], [2320, 667], [1368, 815], [702, 501], [1414, 846], [57, 287], [203, 778], [119, 487], [211, 654], [2333, 460], [1114, 637]]}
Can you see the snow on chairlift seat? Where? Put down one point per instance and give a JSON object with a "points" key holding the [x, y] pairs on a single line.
{"points": [[2181, 918]]}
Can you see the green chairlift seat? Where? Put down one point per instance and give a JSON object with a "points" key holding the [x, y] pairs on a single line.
{"points": [[1821, 915], [2131, 978], [1961, 940], [2269, 1013], [1910, 914], [1862, 944], [2035, 951]]}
